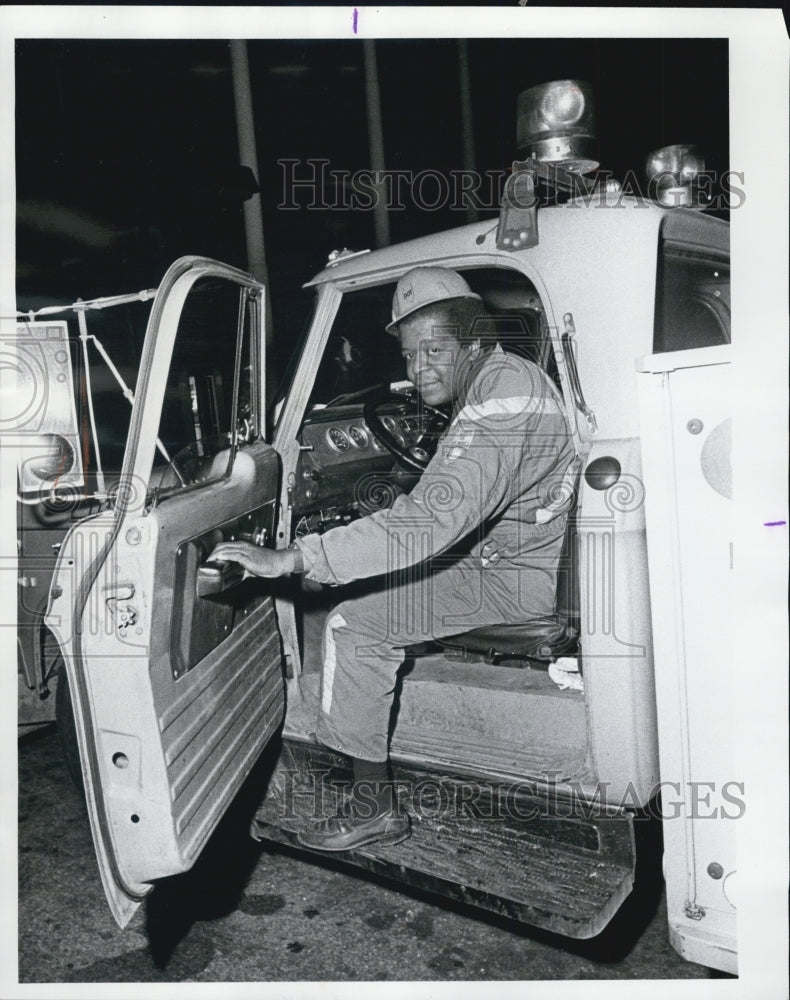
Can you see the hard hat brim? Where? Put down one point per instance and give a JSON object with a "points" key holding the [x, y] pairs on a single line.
{"points": [[393, 326]]}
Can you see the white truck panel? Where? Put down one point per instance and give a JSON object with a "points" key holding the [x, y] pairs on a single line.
{"points": [[685, 409]]}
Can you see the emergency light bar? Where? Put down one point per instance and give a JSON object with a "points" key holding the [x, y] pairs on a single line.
{"points": [[556, 133]]}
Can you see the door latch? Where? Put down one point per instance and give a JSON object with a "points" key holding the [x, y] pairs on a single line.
{"points": [[125, 619], [125, 615], [693, 911]]}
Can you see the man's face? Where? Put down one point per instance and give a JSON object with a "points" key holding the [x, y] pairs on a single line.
{"points": [[433, 356]]}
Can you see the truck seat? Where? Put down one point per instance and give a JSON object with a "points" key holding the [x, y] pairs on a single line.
{"points": [[537, 642]]}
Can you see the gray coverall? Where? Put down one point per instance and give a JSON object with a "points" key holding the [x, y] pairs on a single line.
{"points": [[476, 542]]}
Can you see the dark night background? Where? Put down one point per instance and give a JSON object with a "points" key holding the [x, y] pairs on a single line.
{"points": [[126, 151]]}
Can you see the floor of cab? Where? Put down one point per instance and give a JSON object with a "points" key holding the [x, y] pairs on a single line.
{"points": [[464, 717]]}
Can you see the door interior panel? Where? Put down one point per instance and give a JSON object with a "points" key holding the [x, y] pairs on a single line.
{"points": [[173, 749], [176, 693], [214, 730], [216, 667], [199, 624]]}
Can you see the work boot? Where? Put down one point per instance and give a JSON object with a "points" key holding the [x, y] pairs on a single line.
{"points": [[356, 825]]}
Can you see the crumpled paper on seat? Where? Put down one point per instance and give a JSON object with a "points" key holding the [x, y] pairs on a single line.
{"points": [[565, 674]]}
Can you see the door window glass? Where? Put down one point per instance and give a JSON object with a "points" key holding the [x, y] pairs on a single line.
{"points": [[210, 406], [692, 301]]}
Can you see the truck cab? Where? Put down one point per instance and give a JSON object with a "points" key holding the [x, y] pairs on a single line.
{"points": [[524, 758]]}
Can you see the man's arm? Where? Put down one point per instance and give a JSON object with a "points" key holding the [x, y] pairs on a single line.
{"points": [[468, 481]]}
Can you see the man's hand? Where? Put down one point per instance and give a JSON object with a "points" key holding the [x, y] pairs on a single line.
{"points": [[257, 561]]}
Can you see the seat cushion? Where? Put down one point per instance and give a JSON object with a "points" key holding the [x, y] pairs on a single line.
{"points": [[539, 639]]}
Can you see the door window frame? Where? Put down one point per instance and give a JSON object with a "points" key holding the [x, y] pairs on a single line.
{"points": [[155, 370], [330, 294], [675, 255]]}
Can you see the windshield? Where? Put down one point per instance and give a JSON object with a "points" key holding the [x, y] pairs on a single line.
{"points": [[360, 353], [291, 363]]}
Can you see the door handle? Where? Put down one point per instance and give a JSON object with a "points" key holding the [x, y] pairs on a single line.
{"points": [[216, 577], [573, 374]]}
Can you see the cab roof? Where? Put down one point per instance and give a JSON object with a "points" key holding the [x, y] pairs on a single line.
{"points": [[560, 227]]}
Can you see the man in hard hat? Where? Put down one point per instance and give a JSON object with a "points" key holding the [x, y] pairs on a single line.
{"points": [[475, 543]]}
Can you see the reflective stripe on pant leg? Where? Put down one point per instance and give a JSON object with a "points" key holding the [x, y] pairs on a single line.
{"points": [[358, 681], [330, 661]]}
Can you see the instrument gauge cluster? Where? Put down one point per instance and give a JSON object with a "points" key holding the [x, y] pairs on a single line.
{"points": [[358, 436], [395, 429], [337, 451], [337, 440], [351, 440]]}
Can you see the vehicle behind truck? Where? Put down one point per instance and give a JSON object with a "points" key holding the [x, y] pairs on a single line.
{"points": [[523, 756], [75, 364]]}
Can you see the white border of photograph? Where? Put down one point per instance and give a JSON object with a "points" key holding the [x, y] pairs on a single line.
{"points": [[758, 50]]}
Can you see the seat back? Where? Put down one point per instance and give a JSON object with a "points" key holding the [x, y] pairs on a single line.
{"points": [[540, 639], [566, 604]]}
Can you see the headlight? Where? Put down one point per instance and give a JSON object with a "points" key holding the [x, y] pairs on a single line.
{"points": [[52, 456]]}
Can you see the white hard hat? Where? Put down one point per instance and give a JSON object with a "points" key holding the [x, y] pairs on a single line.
{"points": [[422, 286]]}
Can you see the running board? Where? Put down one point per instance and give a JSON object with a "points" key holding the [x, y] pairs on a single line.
{"points": [[505, 848]]}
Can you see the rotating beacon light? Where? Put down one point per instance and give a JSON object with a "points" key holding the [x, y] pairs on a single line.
{"points": [[556, 124], [673, 174], [556, 130]]}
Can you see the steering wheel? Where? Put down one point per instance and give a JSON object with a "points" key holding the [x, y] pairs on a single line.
{"points": [[413, 457]]}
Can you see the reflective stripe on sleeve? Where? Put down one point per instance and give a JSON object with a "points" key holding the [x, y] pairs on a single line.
{"points": [[511, 405]]}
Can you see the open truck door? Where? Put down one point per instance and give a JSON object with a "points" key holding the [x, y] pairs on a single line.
{"points": [[173, 662]]}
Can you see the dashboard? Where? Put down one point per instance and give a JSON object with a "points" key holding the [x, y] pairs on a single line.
{"points": [[336, 437], [344, 472]]}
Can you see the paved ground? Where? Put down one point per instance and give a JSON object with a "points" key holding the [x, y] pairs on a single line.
{"points": [[249, 915]]}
